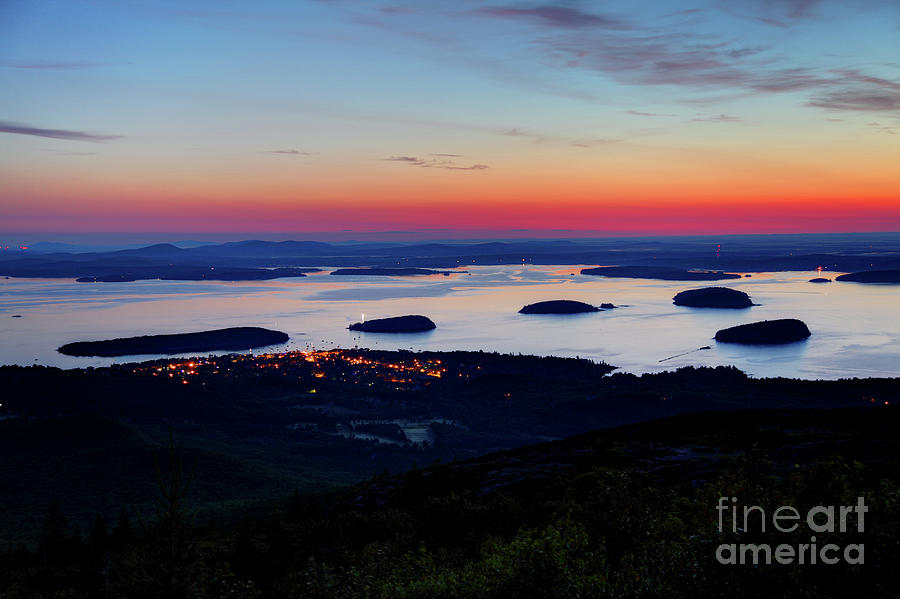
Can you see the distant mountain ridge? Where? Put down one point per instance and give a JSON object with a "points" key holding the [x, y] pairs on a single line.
{"points": [[642, 256]]}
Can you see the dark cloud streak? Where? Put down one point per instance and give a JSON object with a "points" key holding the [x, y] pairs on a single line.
{"points": [[291, 151], [449, 165], [60, 66], [20, 129], [556, 16], [861, 100], [717, 118]]}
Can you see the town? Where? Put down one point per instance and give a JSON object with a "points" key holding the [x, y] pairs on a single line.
{"points": [[402, 371]]}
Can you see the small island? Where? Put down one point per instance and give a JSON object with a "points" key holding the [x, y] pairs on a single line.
{"points": [[558, 307], [872, 276], [235, 338], [390, 272], [767, 332], [114, 278], [396, 324], [658, 272], [713, 297], [820, 280]]}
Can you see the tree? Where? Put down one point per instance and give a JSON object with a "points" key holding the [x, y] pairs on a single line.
{"points": [[166, 564]]}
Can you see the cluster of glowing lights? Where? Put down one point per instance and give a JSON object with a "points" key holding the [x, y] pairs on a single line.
{"points": [[400, 371]]}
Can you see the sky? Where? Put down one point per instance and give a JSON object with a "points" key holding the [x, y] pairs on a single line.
{"points": [[568, 118]]}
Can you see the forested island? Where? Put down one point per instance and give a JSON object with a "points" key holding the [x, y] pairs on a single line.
{"points": [[558, 307], [713, 297], [234, 338], [391, 272], [396, 324], [872, 276], [660, 273], [188, 273], [766, 332]]}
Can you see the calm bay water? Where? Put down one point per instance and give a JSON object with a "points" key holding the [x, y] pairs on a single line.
{"points": [[856, 329]]}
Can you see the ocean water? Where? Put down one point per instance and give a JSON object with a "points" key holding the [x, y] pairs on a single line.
{"points": [[856, 328]]}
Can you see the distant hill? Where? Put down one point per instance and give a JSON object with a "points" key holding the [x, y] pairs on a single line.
{"points": [[666, 258]]}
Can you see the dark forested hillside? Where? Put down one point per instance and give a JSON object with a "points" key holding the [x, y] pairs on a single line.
{"points": [[86, 464]]}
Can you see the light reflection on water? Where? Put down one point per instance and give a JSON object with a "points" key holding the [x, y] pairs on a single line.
{"points": [[855, 328]]}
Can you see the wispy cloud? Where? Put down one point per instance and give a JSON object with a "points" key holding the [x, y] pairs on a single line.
{"points": [[857, 99], [449, 165], [290, 151], [407, 159], [636, 52], [677, 58], [62, 153], [474, 167], [20, 129], [797, 9], [60, 66], [643, 113], [776, 13], [883, 128], [858, 91], [556, 16], [738, 53], [515, 132], [717, 118], [642, 47], [859, 77], [592, 142]]}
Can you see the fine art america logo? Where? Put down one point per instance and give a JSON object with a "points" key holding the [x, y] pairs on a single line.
{"points": [[787, 519]]}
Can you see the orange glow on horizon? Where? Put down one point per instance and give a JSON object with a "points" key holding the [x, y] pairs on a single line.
{"points": [[612, 193]]}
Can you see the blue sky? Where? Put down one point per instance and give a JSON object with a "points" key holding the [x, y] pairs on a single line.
{"points": [[221, 102]]}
